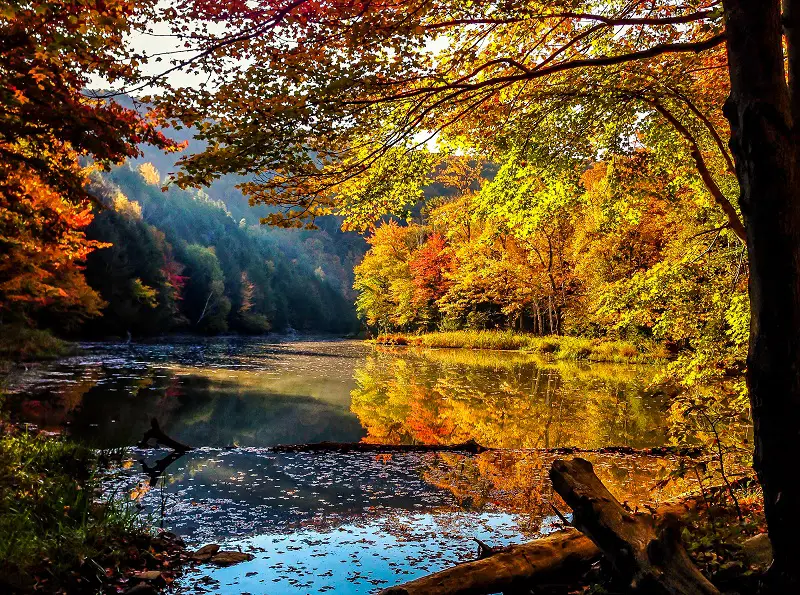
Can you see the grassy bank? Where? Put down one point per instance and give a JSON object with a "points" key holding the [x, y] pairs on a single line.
{"points": [[22, 344], [552, 347], [57, 532]]}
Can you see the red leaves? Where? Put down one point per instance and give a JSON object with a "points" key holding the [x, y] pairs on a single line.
{"points": [[429, 265]]}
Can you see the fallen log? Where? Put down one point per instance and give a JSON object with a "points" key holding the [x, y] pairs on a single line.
{"points": [[644, 549], [155, 433], [567, 553], [473, 447], [470, 446], [563, 555]]}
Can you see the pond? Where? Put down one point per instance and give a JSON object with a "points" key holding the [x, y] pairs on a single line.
{"points": [[356, 522]]}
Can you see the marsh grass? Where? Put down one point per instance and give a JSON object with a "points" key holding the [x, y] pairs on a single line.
{"points": [[551, 347], [53, 519], [22, 344]]}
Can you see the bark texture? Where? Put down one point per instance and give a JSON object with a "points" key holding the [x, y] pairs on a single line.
{"points": [[764, 145], [565, 554], [645, 551]]}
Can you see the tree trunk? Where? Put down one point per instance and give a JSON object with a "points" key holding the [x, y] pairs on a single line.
{"points": [[764, 146], [645, 551]]}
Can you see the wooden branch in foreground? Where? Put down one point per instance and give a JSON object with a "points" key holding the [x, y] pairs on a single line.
{"points": [[559, 558], [644, 550], [564, 554]]}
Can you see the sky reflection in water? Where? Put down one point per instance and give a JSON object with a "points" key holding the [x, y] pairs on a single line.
{"points": [[344, 523]]}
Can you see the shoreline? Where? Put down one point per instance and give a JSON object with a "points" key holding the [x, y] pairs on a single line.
{"points": [[553, 347]]}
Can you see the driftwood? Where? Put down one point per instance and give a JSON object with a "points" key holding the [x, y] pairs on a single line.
{"points": [[156, 471], [564, 554], [473, 447], [567, 554], [155, 433], [470, 446], [645, 550]]}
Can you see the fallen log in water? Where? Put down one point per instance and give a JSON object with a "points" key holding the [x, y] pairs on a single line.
{"points": [[563, 554], [645, 550], [155, 433], [566, 555], [473, 447], [470, 446]]}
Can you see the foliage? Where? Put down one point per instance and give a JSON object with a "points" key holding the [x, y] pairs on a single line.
{"points": [[50, 521], [384, 279], [49, 53], [43, 244]]}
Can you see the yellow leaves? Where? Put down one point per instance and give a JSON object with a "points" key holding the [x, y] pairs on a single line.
{"points": [[139, 491], [126, 207]]}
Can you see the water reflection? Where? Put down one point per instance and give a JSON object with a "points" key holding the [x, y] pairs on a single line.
{"points": [[505, 400], [252, 392], [346, 522], [256, 394], [352, 522]]}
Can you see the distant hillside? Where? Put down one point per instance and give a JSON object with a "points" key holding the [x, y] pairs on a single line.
{"points": [[199, 261]]}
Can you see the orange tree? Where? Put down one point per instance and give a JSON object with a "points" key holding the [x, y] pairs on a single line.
{"points": [[331, 89], [50, 52]]}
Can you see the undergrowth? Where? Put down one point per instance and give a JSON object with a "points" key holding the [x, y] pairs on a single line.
{"points": [[54, 526], [22, 344]]}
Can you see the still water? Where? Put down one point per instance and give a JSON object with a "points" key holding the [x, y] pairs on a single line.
{"points": [[348, 523]]}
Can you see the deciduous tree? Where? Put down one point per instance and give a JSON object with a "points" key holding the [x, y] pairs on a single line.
{"points": [[336, 86]]}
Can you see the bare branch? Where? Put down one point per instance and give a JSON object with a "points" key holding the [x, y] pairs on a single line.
{"points": [[657, 50], [611, 21]]}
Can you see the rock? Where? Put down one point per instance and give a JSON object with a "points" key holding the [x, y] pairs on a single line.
{"points": [[206, 552], [758, 550], [148, 575], [142, 589], [228, 558], [170, 536]]}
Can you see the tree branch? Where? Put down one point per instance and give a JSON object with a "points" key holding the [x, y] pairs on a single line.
{"points": [[733, 217], [657, 50], [612, 21]]}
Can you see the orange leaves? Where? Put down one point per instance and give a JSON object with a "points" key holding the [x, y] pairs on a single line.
{"points": [[429, 266], [44, 244]]}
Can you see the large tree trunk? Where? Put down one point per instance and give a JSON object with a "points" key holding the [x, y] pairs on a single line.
{"points": [[765, 150]]}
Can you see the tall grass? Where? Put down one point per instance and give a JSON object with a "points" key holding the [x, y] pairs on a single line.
{"points": [[52, 519], [21, 344], [551, 347]]}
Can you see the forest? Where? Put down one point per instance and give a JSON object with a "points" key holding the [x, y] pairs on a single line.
{"points": [[617, 172], [156, 262]]}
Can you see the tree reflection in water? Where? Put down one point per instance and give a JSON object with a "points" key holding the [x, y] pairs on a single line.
{"points": [[506, 400]]}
